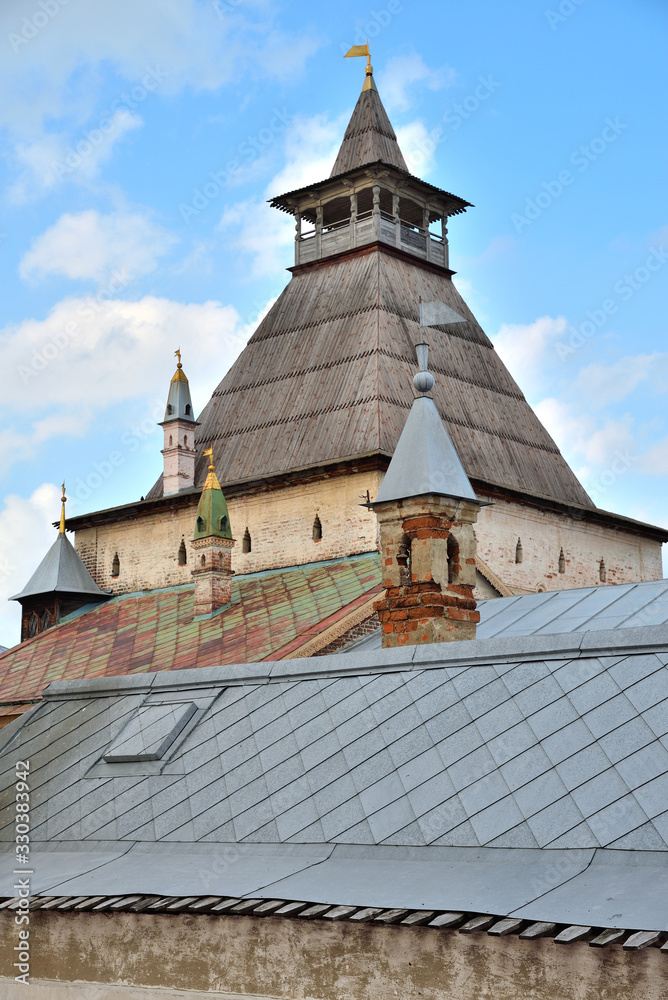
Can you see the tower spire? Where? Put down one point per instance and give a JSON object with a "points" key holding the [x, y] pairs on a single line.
{"points": [[363, 50], [179, 428], [63, 501], [369, 137]]}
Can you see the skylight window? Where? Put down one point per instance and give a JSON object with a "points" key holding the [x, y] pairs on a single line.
{"points": [[150, 733]]}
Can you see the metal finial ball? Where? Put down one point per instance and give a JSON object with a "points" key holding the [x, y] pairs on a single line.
{"points": [[423, 381]]}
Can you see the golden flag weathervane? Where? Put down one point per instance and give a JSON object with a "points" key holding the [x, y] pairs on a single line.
{"points": [[177, 354], [363, 50]]}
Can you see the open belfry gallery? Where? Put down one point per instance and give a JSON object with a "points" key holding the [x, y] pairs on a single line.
{"points": [[365, 697]]}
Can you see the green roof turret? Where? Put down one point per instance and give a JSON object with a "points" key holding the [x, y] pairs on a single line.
{"points": [[213, 519]]}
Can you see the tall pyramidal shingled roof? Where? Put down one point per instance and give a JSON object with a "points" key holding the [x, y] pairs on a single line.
{"points": [[326, 377], [369, 136]]}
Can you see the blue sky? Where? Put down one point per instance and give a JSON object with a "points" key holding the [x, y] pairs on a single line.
{"points": [[141, 141]]}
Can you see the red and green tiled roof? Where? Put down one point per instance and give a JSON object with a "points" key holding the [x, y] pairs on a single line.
{"points": [[155, 629]]}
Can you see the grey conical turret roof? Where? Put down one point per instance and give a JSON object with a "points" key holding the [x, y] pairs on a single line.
{"points": [[61, 571], [179, 404], [425, 460]]}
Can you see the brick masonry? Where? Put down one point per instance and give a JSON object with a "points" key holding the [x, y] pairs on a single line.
{"points": [[427, 553]]}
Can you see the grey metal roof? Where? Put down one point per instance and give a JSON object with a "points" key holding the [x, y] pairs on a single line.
{"points": [[425, 460], [61, 571], [179, 404], [628, 605], [522, 775]]}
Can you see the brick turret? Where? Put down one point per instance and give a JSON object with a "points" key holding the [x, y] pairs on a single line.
{"points": [[426, 509]]}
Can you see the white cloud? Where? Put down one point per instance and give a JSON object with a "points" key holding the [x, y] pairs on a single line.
{"points": [[605, 384], [418, 147], [397, 80], [58, 72], [91, 246], [266, 234], [186, 43], [90, 354], [263, 233], [46, 162], [201, 45], [655, 460], [581, 437], [26, 534], [528, 350], [311, 145]]}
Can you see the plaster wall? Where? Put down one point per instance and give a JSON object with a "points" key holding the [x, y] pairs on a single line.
{"points": [[280, 524], [110, 957], [628, 558]]}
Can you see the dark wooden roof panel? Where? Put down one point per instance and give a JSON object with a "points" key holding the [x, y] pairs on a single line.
{"points": [[328, 375]]}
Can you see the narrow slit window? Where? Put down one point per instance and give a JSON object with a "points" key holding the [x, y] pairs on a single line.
{"points": [[246, 541], [317, 529], [183, 555], [453, 559], [404, 560], [115, 566], [519, 555]]}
